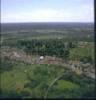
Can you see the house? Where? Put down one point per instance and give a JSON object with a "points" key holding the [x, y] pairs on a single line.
{"points": [[41, 57]]}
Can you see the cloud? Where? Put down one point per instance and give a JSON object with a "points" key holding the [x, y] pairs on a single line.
{"points": [[35, 15], [47, 10], [85, 14]]}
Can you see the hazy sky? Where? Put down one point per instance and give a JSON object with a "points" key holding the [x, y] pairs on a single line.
{"points": [[47, 10]]}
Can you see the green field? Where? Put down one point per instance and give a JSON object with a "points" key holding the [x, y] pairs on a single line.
{"points": [[34, 80]]}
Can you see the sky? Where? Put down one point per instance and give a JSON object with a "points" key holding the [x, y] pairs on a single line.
{"points": [[47, 11]]}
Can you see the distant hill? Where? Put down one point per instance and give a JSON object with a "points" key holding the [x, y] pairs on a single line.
{"points": [[33, 26]]}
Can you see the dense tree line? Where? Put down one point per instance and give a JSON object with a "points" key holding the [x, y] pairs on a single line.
{"points": [[46, 47], [55, 47]]}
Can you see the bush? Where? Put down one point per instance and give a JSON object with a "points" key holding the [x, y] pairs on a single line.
{"points": [[5, 65]]}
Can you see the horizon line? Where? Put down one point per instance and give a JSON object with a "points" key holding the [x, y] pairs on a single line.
{"points": [[43, 22]]}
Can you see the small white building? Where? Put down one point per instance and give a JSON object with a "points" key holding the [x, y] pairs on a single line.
{"points": [[41, 57]]}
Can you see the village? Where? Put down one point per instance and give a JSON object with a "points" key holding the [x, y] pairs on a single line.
{"points": [[75, 66]]}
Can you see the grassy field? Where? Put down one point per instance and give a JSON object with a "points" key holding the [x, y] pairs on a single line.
{"points": [[17, 78], [34, 80]]}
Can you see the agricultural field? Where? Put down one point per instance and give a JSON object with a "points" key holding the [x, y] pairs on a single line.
{"points": [[47, 60]]}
